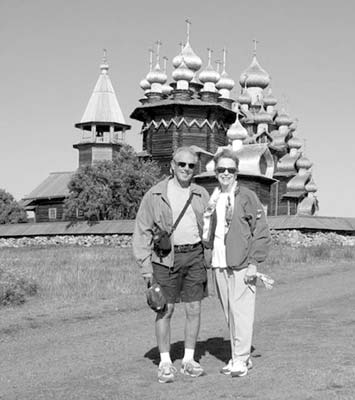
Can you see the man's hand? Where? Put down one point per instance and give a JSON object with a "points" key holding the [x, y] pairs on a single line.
{"points": [[148, 278], [250, 275], [208, 258]]}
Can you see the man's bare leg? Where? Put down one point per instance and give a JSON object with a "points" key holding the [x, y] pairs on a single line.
{"points": [[162, 329], [192, 323]]}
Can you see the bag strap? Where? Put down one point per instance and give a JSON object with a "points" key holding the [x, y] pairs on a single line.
{"points": [[181, 214]]}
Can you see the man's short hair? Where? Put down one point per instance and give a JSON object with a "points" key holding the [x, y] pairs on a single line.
{"points": [[185, 149], [226, 153]]}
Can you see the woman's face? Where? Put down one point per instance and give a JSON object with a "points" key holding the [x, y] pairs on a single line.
{"points": [[226, 172]]}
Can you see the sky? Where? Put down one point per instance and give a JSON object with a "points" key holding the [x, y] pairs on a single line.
{"points": [[51, 52]]}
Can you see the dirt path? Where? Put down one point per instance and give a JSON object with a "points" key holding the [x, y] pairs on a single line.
{"points": [[304, 349]]}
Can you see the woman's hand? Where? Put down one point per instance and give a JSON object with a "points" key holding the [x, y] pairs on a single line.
{"points": [[250, 275]]}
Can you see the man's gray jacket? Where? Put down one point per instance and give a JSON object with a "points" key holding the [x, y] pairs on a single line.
{"points": [[154, 213]]}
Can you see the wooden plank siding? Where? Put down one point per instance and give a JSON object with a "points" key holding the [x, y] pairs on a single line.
{"points": [[42, 211], [279, 205]]}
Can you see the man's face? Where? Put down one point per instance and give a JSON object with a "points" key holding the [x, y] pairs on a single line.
{"points": [[183, 166], [226, 172]]}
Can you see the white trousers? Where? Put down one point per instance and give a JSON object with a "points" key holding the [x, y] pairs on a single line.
{"points": [[238, 303]]}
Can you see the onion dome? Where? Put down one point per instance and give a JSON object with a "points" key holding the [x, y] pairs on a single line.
{"points": [[192, 60], [287, 163], [295, 143], [244, 98], [237, 131], [178, 59], [283, 119], [209, 74], [255, 75], [294, 124], [304, 163], [225, 82], [296, 183], [144, 84], [262, 117], [269, 99], [182, 73], [311, 187], [278, 138], [156, 75]]}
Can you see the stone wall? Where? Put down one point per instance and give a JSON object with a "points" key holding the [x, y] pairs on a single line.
{"points": [[291, 238]]}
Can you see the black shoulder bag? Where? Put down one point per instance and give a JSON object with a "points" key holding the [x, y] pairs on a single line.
{"points": [[161, 239]]}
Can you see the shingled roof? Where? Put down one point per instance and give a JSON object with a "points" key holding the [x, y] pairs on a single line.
{"points": [[54, 186], [103, 105]]}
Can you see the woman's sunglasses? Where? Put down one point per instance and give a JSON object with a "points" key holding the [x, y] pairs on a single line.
{"points": [[221, 170], [183, 165]]}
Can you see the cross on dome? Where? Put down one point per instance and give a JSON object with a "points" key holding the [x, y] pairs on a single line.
{"points": [[255, 44], [150, 58], [188, 24], [165, 58], [224, 51], [158, 43], [209, 51]]}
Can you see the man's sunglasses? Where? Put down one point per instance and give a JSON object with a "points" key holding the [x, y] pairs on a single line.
{"points": [[221, 170], [183, 164]]}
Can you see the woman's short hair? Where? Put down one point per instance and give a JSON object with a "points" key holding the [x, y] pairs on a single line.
{"points": [[226, 153]]}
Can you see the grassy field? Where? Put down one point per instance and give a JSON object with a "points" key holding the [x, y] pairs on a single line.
{"points": [[73, 273], [85, 331]]}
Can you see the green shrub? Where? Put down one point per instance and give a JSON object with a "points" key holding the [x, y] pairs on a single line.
{"points": [[14, 289]]}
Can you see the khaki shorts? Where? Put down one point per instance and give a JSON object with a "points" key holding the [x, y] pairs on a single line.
{"points": [[187, 280]]}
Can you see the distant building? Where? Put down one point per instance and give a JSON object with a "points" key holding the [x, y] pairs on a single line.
{"points": [[103, 130]]}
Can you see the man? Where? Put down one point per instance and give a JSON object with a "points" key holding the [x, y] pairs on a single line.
{"points": [[182, 273], [235, 228]]}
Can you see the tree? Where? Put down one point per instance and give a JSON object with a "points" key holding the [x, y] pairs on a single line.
{"points": [[110, 189], [11, 212]]}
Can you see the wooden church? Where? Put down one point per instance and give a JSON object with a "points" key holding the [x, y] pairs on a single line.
{"points": [[196, 108]]}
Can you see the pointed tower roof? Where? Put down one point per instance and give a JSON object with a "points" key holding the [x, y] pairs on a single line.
{"points": [[103, 106]]}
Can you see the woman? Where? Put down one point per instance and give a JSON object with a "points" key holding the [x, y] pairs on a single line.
{"points": [[236, 230]]}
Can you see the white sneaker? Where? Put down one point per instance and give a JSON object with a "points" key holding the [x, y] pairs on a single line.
{"points": [[227, 369], [192, 368], [239, 368], [166, 372]]}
